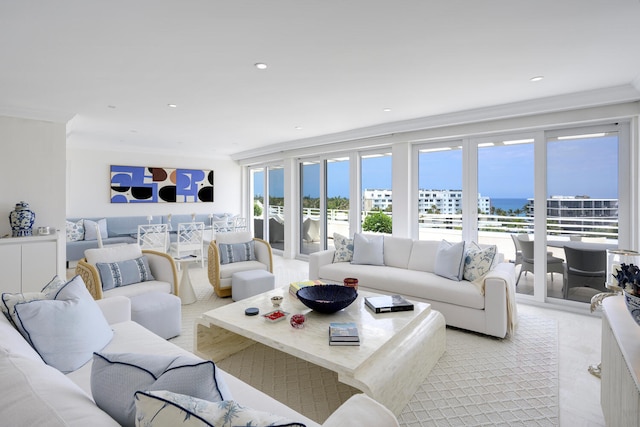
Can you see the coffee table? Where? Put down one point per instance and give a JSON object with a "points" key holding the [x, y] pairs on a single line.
{"points": [[396, 352]]}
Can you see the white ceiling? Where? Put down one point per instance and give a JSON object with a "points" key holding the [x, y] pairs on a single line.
{"points": [[112, 67]]}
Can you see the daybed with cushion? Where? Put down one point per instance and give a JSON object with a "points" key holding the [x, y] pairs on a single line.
{"points": [[234, 252], [80, 362], [472, 288], [81, 232]]}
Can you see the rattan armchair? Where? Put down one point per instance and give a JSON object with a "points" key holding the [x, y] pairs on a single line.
{"points": [[220, 274], [162, 268]]}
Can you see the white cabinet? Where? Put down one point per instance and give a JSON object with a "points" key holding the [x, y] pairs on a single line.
{"points": [[28, 263], [620, 387]]}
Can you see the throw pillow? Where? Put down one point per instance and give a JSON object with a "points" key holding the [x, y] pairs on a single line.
{"points": [[449, 261], [123, 273], [368, 249], [478, 262], [236, 252], [90, 231], [9, 301], [164, 408], [115, 378], [344, 248], [67, 329], [75, 230]]}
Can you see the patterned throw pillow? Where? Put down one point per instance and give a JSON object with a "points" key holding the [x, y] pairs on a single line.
{"points": [[163, 408], [123, 273], [75, 231], [344, 248], [237, 252], [9, 301], [478, 262]]}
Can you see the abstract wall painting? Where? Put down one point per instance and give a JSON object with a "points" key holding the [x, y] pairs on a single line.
{"points": [[139, 184]]}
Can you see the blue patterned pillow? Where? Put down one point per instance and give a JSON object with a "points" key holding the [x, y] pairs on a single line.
{"points": [[115, 378], [478, 261], [123, 273], [75, 231], [236, 252], [163, 408], [344, 248]]}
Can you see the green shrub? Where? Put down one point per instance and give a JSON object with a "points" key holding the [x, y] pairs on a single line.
{"points": [[257, 209], [378, 222]]}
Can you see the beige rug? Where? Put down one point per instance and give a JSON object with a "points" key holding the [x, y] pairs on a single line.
{"points": [[478, 381]]}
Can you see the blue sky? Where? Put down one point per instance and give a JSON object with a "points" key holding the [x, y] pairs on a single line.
{"points": [[575, 167]]}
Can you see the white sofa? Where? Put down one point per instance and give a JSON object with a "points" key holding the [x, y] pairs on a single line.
{"points": [[34, 393], [408, 269]]}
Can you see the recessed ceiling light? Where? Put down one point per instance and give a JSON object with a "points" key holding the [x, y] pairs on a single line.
{"points": [[111, 106], [260, 65], [172, 106], [298, 128], [536, 78], [386, 110]]}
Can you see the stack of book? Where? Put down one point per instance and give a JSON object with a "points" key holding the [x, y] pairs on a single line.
{"points": [[345, 333], [294, 287]]}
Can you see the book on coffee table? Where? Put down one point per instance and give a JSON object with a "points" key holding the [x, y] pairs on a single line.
{"points": [[294, 287], [343, 333], [388, 303]]}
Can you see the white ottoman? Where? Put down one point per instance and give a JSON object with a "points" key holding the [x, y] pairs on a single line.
{"points": [[245, 284], [158, 312]]}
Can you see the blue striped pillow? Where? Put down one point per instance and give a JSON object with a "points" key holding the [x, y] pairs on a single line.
{"points": [[123, 273], [236, 252]]}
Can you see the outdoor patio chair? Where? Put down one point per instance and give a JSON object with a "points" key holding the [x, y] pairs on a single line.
{"points": [[585, 269], [554, 264]]}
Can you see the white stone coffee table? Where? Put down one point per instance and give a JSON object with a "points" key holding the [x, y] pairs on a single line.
{"points": [[396, 353]]}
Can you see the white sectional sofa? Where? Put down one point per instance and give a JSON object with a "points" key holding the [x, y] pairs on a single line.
{"points": [[486, 306], [36, 394]]}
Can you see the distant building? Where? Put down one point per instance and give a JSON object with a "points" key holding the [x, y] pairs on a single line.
{"points": [[429, 201], [578, 207]]}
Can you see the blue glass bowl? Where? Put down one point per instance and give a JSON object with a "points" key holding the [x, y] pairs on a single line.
{"points": [[327, 298]]}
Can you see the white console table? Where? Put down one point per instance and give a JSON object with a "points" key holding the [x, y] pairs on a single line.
{"points": [[620, 388], [28, 263]]}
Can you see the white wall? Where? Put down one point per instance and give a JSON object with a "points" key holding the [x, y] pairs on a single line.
{"points": [[88, 191], [32, 168]]}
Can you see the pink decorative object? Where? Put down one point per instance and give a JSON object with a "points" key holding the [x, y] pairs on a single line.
{"points": [[297, 321]]}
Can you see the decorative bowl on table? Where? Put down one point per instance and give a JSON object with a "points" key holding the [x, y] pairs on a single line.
{"points": [[327, 298]]}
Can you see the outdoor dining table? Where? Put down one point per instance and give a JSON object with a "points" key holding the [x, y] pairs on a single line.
{"points": [[578, 244]]}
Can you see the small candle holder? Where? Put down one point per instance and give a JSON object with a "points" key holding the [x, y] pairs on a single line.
{"points": [[276, 301], [351, 282], [297, 321]]}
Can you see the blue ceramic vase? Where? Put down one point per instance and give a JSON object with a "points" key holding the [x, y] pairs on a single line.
{"points": [[21, 220]]}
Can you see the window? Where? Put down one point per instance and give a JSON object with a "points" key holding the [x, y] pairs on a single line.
{"points": [[440, 192]]}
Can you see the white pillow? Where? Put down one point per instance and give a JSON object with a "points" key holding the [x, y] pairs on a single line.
{"points": [[368, 249], [164, 408], [65, 330], [450, 260], [113, 253], [116, 377], [90, 232], [478, 262]]}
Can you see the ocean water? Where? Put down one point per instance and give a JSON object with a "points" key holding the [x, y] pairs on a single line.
{"points": [[507, 204]]}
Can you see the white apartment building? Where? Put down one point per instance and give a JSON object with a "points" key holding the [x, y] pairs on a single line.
{"points": [[429, 201]]}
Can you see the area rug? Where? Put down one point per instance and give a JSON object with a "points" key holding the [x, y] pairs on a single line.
{"points": [[479, 381]]}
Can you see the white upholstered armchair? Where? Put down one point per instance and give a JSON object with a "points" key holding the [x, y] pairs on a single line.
{"points": [[220, 270]]}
